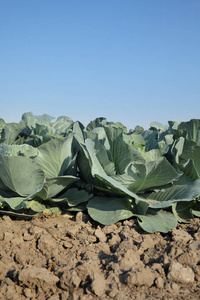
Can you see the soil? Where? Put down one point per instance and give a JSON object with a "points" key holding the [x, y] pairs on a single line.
{"points": [[72, 257]]}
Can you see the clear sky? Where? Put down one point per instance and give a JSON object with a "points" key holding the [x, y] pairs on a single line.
{"points": [[133, 61]]}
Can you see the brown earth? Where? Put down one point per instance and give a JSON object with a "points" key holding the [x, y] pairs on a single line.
{"points": [[69, 257]]}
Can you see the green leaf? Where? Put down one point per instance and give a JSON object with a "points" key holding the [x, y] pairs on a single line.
{"points": [[96, 123], [99, 159], [196, 212], [22, 214], [183, 190], [13, 130], [5, 191], [196, 209], [62, 124], [75, 196], [30, 120], [18, 150], [115, 187], [20, 174], [55, 157], [85, 164], [108, 211], [121, 154], [4, 131], [140, 177], [79, 207], [14, 203], [140, 208], [183, 211], [78, 132], [190, 130], [152, 155], [191, 167], [55, 185], [135, 139], [157, 221], [34, 205], [158, 126], [53, 210]]}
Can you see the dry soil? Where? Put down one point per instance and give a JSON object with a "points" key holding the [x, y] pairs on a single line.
{"points": [[72, 257]]}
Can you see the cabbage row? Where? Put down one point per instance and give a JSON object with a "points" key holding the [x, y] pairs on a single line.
{"points": [[54, 167]]}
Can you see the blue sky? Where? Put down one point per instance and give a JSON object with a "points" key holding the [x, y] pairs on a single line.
{"points": [[126, 60]]}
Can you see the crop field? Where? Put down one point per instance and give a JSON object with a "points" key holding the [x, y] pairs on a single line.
{"points": [[99, 212]]}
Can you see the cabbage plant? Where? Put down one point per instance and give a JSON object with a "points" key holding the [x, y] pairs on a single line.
{"points": [[102, 169]]}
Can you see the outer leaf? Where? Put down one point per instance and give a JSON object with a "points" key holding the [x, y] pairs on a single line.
{"points": [[196, 209], [75, 196], [11, 132], [140, 177], [14, 203], [116, 188], [190, 130], [18, 150], [20, 174], [78, 132], [108, 211], [34, 205], [182, 190], [176, 150], [55, 185], [196, 212], [4, 190], [55, 157], [160, 221], [79, 207], [22, 214], [183, 211], [192, 165], [14, 130], [53, 210], [102, 137]]}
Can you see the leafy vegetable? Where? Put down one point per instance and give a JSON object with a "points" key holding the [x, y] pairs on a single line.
{"points": [[51, 167]]}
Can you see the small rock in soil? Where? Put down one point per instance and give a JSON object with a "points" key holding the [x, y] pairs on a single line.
{"points": [[98, 284], [100, 235], [8, 236], [179, 273], [139, 277], [159, 283], [33, 276], [69, 280], [47, 244]]}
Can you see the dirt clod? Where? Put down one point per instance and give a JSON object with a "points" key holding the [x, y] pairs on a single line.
{"points": [[180, 274]]}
